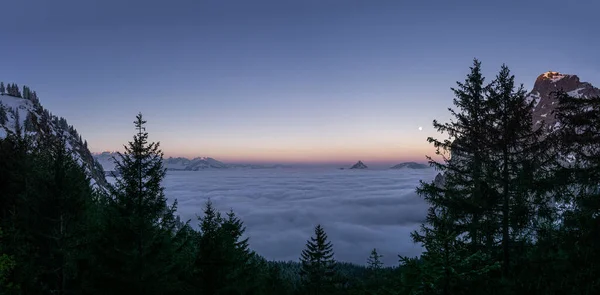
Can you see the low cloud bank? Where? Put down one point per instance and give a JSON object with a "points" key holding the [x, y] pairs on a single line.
{"points": [[359, 210]]}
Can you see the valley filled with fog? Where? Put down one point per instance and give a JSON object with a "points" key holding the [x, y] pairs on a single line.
{"points": [[359, 209]]}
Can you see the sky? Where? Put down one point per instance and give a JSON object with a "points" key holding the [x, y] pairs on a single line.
{"points": [[281, 81]]}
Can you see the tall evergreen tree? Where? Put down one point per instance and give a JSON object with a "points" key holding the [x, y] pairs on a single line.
{"points": [[2, 88], [61, 206], [318, 265], [374, 260], [516, 170], [18, 127], [3, 114], [136, 255], [578, 139], [29, 124], [6, 265], [208, 272], [224, 264], [453, 234]]}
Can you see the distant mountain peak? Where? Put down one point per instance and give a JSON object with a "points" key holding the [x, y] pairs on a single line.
{"points": [[410, 165], [359, 165]]}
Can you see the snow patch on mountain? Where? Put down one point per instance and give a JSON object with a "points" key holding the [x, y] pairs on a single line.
{"points": [[27, 117]]}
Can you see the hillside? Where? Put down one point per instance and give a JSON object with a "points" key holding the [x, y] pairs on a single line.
{"points": [[22, 114]]}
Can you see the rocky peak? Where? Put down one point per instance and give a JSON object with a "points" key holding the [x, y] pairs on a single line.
{"points": [[545, 102], [359, 165]]}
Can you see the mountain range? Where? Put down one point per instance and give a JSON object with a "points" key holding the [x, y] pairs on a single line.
{"points": [[181, 164]]}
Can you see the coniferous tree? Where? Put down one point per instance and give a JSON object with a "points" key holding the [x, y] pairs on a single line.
{"points": [[224, 263], [578, 138], [317, 264], [6, 265], [208, 270], [453, 234], [374, 260], [2, 88], [61, 206], [516, 171], [17, 91], [18, 127], [3, 115], [29, 124], [241, 262], [137, 251]]}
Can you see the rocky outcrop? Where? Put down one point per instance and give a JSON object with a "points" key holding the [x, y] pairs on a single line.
{"points": [[359, 165], [546, 102]]}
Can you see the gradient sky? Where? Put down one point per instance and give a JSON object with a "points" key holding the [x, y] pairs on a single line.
{"points": [[281, 81]]}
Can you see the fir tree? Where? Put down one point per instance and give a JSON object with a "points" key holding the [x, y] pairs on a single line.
{"points": [[29, 124], [224, 262], [208, 267], [62, 207], [138, 250], [240, 258], [374, 260], [518, 159], [17, 91], [3, 114], [318, 265], [18, 127], [2, 88], [6, 265], [453, 234], [578, 141]]}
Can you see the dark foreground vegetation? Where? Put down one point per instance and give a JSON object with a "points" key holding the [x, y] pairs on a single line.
{"points": [[518, 213]]}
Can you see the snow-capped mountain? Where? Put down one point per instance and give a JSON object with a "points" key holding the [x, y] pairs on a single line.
{"points": [[359, 165], [23, 114], [181, 164], [195, 164], [545, 102], [410, 165]]}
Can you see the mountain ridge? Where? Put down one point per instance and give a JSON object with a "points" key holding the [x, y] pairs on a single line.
{"points": [[182, 163], [21, 114]]}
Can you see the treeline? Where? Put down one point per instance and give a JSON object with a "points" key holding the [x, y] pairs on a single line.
{"points": [[517, 213], [12, 89], [60, 236]]}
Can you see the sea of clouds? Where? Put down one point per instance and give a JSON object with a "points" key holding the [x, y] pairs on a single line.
{"points": [[359, 209]]}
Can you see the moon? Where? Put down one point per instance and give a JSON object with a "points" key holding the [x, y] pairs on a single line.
{"points": [[420, 128]]}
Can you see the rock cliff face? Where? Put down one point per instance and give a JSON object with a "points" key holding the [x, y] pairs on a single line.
{"points": [[546, 102]]}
